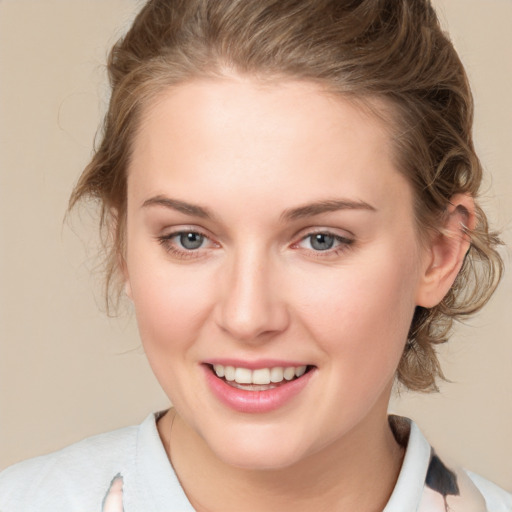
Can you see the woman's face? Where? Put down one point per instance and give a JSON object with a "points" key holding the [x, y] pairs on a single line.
{"points": [[267, 228]]}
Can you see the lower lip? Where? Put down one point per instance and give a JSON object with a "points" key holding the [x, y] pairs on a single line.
{"points": [[255, 401]]}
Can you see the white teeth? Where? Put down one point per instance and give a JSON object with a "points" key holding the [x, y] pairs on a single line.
{"points": [[219, 370], [289, 373], [243, 376], [300, 370], [229, 373], [276, 374], [261, 376]]}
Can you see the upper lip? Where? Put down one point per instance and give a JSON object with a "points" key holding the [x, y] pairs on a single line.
{"points": [[255, 364]]}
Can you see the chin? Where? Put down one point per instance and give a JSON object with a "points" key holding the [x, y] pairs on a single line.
{"points": [[259, 451], [260, 459]]}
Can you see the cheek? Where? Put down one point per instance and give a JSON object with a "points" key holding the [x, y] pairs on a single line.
{"points": [[171, 303], [171, 309], [360, 314]]}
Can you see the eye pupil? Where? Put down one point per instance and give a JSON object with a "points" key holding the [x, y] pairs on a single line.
{"points": [[322, 242], [191, 240]]}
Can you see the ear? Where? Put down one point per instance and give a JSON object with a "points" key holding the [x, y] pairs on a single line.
{"points": [[121, 261], [446, 251], [128, 289]]}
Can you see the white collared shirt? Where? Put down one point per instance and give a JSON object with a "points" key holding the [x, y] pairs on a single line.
{"points": [[127, 470]]}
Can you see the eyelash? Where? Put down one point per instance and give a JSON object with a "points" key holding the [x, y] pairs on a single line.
{"points": [[165, 241], [344, 244]]}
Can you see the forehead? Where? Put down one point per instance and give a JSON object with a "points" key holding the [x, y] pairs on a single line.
{"points": [[262, 139]]}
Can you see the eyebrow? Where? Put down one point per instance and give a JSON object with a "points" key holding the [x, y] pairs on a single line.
{"points": [[307, 210], [180, 206], [330, 205]]}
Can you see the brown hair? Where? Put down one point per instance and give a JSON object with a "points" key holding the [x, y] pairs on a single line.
{"points": [[392, 50]]}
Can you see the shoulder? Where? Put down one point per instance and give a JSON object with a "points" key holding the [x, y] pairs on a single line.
{"points": [[127, 469], [429, 482], [496, 498], [79, 473]]}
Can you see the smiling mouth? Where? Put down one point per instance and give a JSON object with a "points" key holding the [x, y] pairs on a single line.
{"points": [[260, 379]]}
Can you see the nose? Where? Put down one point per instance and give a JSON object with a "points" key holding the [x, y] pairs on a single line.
{"points": [[251, 307]]}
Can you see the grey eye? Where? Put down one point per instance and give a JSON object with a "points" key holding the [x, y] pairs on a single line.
{"points": [[322, 241], [191, 240]]}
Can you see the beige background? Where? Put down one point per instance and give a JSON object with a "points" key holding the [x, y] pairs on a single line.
{"points": [[66, 370]]}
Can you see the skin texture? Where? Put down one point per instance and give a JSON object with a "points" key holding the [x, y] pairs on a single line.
{"points": [[247, 153]]}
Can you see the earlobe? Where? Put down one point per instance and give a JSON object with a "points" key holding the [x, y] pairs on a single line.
{"points": [[115, 229], [447, 250], [128, 289], [124, 271]]}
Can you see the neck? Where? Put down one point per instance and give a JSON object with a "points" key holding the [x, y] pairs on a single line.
{"points": [[358, 472]]}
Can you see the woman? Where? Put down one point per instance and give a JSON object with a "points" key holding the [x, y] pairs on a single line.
{"points": [[290, 189]]}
